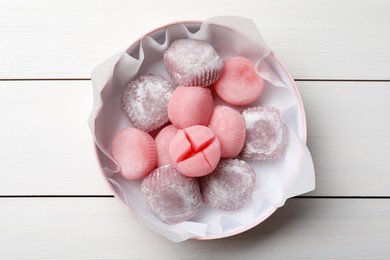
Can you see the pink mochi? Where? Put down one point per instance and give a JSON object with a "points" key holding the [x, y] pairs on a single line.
{"points": [[230, 186], [195, 151], [135, 153], [192, 63], [171, 196], [163, 139], [267, 134], [239, 85], [229, 126], [145, 101], [190, 106]]}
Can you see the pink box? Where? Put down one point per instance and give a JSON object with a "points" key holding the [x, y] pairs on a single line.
{"points": [[276, 181]]}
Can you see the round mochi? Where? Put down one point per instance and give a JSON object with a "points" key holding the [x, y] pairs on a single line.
{"points": [[171, 196], [190, 106], [195, 151], [163, 139], [192, 63], [135, 153], [239, 85], [229, 186], [229, 126], [145, 101], [266, 134]]}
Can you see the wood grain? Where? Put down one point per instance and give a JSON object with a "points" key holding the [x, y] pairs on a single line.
{"points": [[50, 181], [349, 136], [316, 39], [102, 229], [46, 146]]}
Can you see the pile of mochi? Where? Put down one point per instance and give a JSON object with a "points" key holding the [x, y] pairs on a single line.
{"points": [[199, 150]]}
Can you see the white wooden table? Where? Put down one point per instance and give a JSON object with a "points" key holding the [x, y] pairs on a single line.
{"points": [[53, 201]]}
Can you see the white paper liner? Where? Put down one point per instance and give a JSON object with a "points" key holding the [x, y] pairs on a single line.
{"points": [[277, 180]]}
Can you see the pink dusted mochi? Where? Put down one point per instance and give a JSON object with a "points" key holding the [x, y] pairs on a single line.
{"points": [[266, 134], [195, 151], [190, 106], [171, 196], [192, 63], [239, 85], [135, 153], [229, 126], [145, 101], [163, 139], [229, 186]]}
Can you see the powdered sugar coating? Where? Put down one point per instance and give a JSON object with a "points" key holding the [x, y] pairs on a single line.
{"points": [[193, 63], [171, 196], [145, 101], [229, 186], [266, 134]]}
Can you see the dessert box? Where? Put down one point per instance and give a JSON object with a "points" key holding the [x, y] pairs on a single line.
{"points": [[276, 180]]}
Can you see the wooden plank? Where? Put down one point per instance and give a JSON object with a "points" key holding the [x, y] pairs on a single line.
{"points": [[47, 147], [349, 136], [316, 39], [100, 228]]}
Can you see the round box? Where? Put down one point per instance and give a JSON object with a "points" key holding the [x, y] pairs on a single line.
{"points": [[107, 119]]}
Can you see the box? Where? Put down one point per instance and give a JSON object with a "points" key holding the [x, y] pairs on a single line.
{"points": [[277, 180]]}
